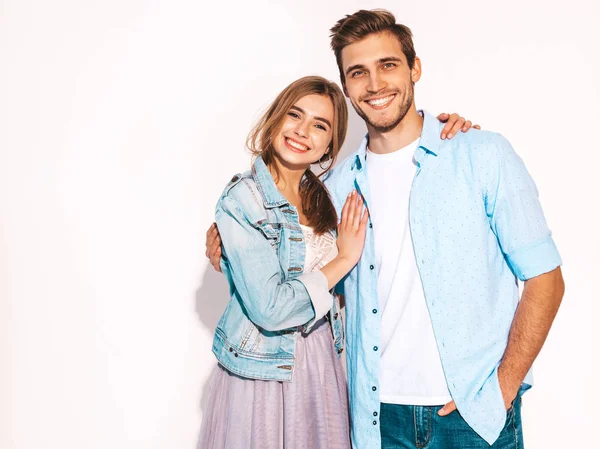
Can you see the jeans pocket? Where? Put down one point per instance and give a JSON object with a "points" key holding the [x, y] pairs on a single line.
{"points": [[510, 413]]}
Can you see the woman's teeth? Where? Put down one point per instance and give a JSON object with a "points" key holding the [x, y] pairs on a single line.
{"points": [[296, 145]]}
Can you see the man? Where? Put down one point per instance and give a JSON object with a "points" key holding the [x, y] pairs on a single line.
{"points": [[433, 317]]}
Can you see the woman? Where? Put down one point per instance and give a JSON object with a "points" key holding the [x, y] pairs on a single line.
{"points": [[279, 383]]}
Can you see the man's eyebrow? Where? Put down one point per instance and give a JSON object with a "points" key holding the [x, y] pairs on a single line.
{"points": [[379, 61], [321, 119], [389, 59], [354, 67]]}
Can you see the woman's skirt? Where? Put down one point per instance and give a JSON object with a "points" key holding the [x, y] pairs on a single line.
{"points": [[310, 412]]}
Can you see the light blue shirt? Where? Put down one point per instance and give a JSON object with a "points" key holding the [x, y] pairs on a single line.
{"points": [[477, 226]]}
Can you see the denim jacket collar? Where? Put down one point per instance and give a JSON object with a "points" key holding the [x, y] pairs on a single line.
{"points": [[266, 185]]}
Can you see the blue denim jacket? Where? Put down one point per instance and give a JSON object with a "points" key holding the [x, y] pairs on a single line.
{"points": [[271, 298]]}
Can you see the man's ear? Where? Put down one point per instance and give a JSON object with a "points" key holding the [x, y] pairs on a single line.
{"points": [[344, 89], [415, 73]]}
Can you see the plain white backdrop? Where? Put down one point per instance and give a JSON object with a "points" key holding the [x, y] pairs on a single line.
{"points": [[120, 123]]}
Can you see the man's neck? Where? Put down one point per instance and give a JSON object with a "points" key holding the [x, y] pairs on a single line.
{"points": [[407, 131]]}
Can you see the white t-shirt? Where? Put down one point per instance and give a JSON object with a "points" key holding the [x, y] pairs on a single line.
{"points": [[410, 369]]}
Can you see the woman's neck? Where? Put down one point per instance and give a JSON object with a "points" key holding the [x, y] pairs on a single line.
{"points": [[287, 179]]}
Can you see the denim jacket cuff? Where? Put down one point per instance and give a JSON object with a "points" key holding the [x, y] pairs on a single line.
{"points": [[322, 300]]}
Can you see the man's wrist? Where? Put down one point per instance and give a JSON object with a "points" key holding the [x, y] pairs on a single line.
{"points": [[509, 384]]}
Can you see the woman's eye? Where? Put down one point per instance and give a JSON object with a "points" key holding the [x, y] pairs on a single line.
{"points": [[321, 127], [293, 114]]}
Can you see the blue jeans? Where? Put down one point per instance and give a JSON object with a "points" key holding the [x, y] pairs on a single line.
{"points": [[420, 427]]}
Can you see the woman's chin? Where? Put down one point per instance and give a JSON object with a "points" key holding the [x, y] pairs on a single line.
{"points": [[295, 161]]}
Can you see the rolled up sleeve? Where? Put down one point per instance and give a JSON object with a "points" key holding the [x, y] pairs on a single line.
{"points": [[516, 215]]}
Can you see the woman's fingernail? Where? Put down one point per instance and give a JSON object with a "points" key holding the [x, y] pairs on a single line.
{"points": [[443, 136], [449, 135]]}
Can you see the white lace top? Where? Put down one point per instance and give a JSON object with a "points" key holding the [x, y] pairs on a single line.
{"points": [[320, 249]]}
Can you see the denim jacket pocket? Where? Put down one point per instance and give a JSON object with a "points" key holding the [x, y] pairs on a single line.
{"points": [[250, 336], [272, 231]]}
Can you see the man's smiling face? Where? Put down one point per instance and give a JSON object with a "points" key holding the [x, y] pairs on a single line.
{"points": [[378, 80]]}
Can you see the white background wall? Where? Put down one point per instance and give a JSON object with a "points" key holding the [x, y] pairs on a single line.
{"points": [[120, 123]]}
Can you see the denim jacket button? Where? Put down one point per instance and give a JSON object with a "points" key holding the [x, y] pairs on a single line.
{"points": [[340, 350], [230, 349], [235, 178], [335, 316]]}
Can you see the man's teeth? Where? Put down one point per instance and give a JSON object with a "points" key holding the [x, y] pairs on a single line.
{"points": [[380, 101], [297, 145]]}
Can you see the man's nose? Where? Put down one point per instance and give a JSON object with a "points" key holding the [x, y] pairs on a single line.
{"points": [[376, 83]]}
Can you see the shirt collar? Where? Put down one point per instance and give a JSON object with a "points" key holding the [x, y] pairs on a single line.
{"points": [[361, 154], [429, 141], [430, 134], [266, 185]]}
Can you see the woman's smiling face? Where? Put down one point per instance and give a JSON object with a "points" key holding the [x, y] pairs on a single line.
{"points": [[306, 132]]}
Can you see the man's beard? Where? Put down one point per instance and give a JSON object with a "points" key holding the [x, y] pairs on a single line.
{"points": [[387, 127]]}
